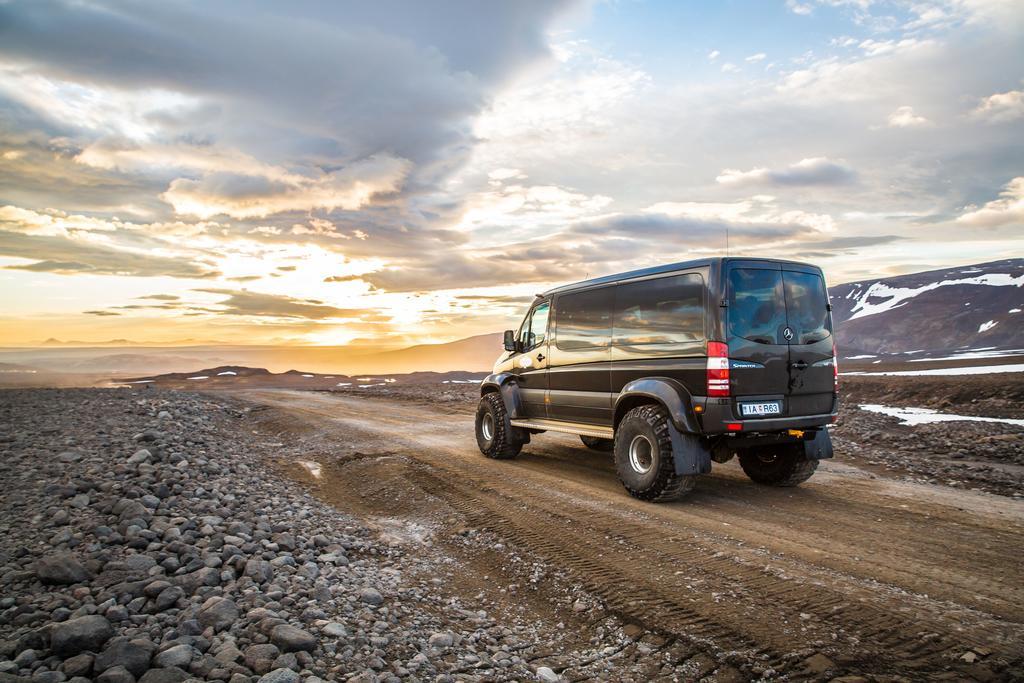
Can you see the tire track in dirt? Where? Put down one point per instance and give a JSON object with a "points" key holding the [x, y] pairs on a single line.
{"points": [[754, 570]]}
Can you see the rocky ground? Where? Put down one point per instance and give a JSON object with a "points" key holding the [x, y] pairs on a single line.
{"points": [[143, 538]]}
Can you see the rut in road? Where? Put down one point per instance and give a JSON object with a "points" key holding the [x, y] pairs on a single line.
{"points": [[769, 575]]}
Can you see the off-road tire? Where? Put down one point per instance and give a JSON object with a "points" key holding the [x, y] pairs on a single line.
{"points": [[596, 443], [777, 465], [660, 483], [504, 443]]}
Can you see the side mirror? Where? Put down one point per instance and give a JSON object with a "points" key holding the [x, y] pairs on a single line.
{"points": [[510, 341]]}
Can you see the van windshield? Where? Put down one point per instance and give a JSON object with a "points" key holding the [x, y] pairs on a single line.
{"points": [[762, 303]]}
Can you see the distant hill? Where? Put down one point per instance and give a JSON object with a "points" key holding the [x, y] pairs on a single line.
{"points": [[967, 307]]}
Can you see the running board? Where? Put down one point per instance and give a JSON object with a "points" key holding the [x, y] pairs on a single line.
{"points": [[566, 427]]}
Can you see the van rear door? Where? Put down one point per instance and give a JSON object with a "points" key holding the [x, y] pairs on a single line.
{"points": [[811, 371], [758, 351], [780, 339]]}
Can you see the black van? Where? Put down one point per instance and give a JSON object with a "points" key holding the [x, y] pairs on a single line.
{"points": [[672, 367]]}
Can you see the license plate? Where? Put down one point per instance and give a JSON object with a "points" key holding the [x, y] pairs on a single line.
{"points": [[760, 409]]}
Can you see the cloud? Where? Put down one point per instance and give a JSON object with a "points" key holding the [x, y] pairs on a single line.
{"points": [[248, 196], [242, 302], [160, 297], [69, 257], [100, 313], [713, 55], [1001, 107], [807, 172], [904, 117], [759, 57], [1007, 210]]}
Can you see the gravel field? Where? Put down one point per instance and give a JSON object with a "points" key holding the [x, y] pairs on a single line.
{"points": [[145, 538]]}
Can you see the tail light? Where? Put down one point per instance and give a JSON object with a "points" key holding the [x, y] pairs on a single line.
{"points": [[718, 369], [835, 369]]}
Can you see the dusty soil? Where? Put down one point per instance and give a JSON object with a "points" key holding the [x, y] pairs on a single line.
{"points": [[863, 571]]}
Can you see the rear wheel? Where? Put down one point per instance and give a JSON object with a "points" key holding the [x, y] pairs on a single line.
{"points": [[778, 465], [596, 443], [643, 456], [495, 437]]}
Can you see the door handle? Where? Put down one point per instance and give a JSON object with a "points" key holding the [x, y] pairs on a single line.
{"points": [[799, 365], [540, 357]]}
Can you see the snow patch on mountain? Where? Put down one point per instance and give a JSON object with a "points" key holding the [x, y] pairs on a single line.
{"points": [[894, 297]]}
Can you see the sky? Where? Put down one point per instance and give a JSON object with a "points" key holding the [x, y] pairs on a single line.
{"points": [[391, 173]]}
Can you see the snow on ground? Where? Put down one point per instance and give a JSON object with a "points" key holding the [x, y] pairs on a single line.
{"points": [[920, 416], [308, 376], [972, 370], [200, 377], [141, 381], [894, 297], [970, 354], [343, 384], [227, 373]]}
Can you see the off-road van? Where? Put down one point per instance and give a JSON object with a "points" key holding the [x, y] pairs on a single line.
{"points": [[672, 367]]}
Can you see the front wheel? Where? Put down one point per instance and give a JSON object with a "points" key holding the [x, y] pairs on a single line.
{"points": [[778, 465], [596, 443], [643, 456], [495, 437]]}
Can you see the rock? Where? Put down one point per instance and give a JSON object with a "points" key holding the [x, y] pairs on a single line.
{"points": [[79, 665], [61, 569], [334, 630], [441, 641], [164, 676], [818, 663], [546, 674], [78, 635], [370, 596], [259, 571], [260, 658], [280, 676], [632, 631], [179, 656], [220, 613], [141, 455], [117, 674], [168, 597], [292, 639], [133, 655], [69, 457], [969, 657]]}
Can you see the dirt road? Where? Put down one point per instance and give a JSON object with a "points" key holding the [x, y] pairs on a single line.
{"points": [[850, 573]]}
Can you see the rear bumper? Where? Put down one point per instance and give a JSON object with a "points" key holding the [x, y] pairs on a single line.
{"points": [[718, 418]]}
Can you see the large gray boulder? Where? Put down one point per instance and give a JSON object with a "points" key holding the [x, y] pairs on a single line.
{"points": [[292, 639], [133, 655], [220, 613], [69, 638], [61, 569]]}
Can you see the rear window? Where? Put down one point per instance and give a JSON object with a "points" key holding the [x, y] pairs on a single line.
{"points": [[762, 303], [806, 307], [668, 310], [757, 308], [583, 320]]}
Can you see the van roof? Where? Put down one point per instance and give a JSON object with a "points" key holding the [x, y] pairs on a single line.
{"points": [[666, 268]]}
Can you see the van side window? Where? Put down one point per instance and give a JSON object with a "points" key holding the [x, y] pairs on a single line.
{"points": [[667, 310], [535, 328], [583, 320]]}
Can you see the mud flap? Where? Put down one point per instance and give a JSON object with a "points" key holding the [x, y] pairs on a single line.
{"points": [[819, 447], [689, 452], [513, 409]]}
